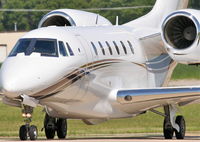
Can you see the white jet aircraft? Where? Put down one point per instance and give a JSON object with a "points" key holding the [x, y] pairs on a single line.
{"points": [[96, 71]]}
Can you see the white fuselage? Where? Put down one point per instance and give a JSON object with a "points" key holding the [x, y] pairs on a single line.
{"points": [[83, 84]]}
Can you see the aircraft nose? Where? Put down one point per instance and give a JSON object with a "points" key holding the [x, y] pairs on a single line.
{"points": [[8, 85], [26, 75], [15, 81], [5, 86]]}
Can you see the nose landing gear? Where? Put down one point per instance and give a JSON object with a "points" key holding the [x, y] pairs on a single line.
{"points": [[51, 126], [26, 131]]}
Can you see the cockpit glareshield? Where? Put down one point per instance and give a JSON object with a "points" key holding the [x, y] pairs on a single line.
{"points": [[46, 47]]}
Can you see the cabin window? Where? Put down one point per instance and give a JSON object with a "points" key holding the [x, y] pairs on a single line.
{"points": [[124, 47], [131, 47], [79, 50], [116, 47], [71, 53], [101, 46], [62, 49], [109, 48], [94, 48]]}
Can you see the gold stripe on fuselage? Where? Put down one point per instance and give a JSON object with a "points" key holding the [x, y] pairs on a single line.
{"points": [[75, 76]]}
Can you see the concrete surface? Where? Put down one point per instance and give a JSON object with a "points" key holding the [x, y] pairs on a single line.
{"points": [[124, 138]]}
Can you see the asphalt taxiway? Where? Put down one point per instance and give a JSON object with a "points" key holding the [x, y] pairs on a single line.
{"points": [[142, 138]]}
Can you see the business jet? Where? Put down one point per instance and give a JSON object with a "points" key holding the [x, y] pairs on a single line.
{"points": [[77, 65]]}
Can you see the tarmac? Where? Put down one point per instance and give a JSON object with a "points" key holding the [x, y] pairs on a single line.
{"points": [[116, 138]]}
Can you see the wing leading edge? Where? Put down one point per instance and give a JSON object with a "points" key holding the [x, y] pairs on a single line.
{"points": [[162, 95]]}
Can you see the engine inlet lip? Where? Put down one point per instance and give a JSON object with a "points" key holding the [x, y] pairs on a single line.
{"points": [[56, 13], [173, 15]]}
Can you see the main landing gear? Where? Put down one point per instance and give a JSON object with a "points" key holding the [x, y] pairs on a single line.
{"points": [[172, 124], [27, 131], [53, 125]]}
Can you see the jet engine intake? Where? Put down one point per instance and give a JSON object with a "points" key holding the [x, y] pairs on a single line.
{"points": [[69, 17], [180, 33]]}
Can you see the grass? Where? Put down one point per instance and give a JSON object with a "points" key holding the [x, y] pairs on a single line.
{"points": [[11, 120], [186, 72]]}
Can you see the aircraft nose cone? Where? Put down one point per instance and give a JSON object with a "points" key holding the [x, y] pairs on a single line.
{"points": [[14, 80], [26, 75], [8, 85]]}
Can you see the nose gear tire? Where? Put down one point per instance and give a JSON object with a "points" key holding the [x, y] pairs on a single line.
{"points": [[23, 133], [33, 132]]}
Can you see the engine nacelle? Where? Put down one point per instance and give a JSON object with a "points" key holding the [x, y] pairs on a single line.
{"points": [[180, 33], [70, 17]]}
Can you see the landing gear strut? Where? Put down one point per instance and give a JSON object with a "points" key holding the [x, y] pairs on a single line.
{"points": [[51, 125], [26, 131], [173, 124]]}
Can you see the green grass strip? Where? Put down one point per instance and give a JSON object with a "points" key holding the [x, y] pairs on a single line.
{"points": [[11, 120], [186, 72]]}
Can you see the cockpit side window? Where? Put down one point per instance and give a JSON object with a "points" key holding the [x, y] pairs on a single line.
{"points": [[20, 47], [69, 49], [62, 49]]}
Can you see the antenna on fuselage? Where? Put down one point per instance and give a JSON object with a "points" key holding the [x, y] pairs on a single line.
{"points": [[117, 21], [97, 19]]}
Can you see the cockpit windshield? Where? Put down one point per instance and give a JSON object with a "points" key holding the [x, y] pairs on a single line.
{"points": [[46, 47]]}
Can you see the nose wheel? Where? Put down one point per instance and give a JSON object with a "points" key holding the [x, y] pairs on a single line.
{"points": [[23, 132], [26, 131]]}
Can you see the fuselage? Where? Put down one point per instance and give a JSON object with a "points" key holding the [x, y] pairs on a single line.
{"points": [[75, 71]]}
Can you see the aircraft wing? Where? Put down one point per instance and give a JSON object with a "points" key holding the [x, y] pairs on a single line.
{"points": [[159, 96]]}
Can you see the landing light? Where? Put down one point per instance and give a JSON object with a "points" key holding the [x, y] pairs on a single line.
{"points": [[28, 115]]}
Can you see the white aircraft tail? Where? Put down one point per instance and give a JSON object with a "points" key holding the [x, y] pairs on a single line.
{"points": [[160, 10]]}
